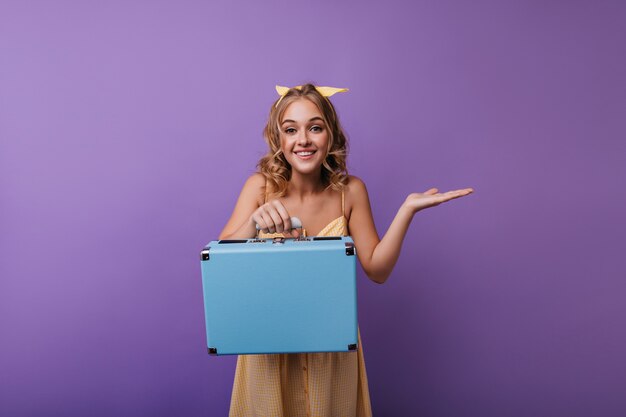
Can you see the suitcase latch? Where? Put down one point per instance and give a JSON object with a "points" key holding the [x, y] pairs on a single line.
{"points": [[278, 240]]}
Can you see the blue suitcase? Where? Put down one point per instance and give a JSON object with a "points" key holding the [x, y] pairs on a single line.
{"points": [[280, 295]]}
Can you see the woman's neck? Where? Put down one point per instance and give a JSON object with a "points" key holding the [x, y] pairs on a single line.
{"points": [[303, 186]]}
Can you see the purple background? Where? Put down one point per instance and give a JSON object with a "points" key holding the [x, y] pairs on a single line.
{"points": [[128, 128]]}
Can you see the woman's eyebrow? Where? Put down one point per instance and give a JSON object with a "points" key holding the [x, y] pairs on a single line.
{"points": [[310, 120]]}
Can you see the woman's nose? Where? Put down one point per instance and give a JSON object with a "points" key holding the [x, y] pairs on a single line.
{"points": [[303, 138]]}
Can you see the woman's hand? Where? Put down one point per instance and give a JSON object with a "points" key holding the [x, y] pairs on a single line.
{"points": [[419, 201], [273, 218]]}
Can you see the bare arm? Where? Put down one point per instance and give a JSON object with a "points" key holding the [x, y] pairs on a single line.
{"points": [[378, 257], [250, 211], [239, 225]]}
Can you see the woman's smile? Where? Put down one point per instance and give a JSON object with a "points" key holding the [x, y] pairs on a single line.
{"points": [[305, 155]]}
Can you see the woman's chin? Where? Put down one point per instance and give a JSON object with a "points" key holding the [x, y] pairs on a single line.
{"points": [[304, 167], [305, 170]]}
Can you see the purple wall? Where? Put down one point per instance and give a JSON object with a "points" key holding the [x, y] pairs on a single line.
{"points": [[128, 128]]}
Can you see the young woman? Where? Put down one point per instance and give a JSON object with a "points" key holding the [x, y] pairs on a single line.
{"points": [[304, 175]]}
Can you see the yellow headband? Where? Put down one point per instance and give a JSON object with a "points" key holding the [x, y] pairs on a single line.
{"points": [[325, 91]]}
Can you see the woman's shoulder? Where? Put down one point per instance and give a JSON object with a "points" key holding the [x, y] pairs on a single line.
{"points": [[254, 187], [354, 185], [355, 193], [256, 180]]}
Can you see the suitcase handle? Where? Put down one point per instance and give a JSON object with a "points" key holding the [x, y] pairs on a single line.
{"points": [[295, 223]]}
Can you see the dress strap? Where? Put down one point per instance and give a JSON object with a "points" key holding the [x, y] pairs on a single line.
{"points": [[343, 212], [258, 232]]}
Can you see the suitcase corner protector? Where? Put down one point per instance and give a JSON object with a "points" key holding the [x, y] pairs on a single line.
{"points": [[212, 351], [204, 255], [352, 346]]}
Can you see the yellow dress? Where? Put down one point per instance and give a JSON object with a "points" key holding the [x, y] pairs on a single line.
{"points": [[328, 384]]}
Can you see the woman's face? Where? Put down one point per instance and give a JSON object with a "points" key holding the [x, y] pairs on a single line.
{"points": [[304, 136]]}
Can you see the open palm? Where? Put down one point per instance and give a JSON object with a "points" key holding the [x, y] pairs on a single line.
{"points": [[431, 198]]}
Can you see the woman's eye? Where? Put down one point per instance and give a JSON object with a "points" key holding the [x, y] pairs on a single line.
{"points": [[290, 130]]}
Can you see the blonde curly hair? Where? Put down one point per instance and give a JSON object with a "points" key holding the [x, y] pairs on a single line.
{"points": [[274, 165]]}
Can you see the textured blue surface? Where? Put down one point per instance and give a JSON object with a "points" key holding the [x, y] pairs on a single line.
{"points": [[299, 296]]}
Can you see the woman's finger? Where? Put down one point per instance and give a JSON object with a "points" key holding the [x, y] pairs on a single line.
{"points": [[463, 192], [454, 194], [282, 211], [276, 219], [269, 221], [258, 219]]}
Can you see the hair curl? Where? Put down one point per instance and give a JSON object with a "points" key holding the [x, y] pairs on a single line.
{"points": [[274, 165]]}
